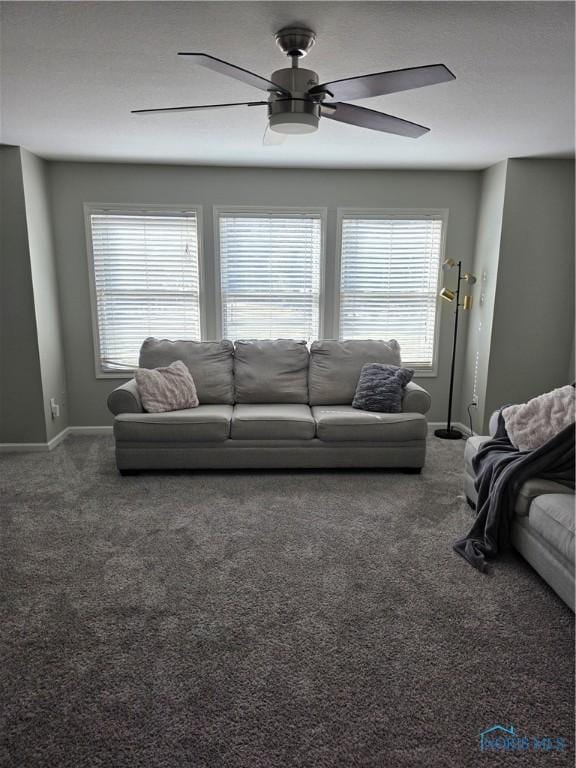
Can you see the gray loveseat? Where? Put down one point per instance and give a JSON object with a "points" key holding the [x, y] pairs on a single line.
{"points": [[543, 526], [269, 404]]}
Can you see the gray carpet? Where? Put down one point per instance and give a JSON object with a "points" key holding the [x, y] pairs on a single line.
{"points": [[263, 620]]}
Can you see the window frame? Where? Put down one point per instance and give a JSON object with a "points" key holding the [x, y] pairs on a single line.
{"points": [[405, 213], [210, 278], [255, 210], [147, 209]]}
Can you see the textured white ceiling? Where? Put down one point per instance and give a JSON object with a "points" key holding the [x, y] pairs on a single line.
{"points": [[71, 72]]}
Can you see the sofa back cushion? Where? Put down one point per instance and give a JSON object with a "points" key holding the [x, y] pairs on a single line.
{"points": [[209, 362], [335, 367], [271, 371]]}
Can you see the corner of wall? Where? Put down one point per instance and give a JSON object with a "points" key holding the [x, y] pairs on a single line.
{"points": [[534, 305], [31, 347], [46, 293], [485, 267], [21, 411], [520, 336]]}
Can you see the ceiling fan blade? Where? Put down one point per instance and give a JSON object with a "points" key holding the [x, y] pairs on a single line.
{"points": [[381, 83], [272, 138], [238, 73], [376, 121], [200, 106]]}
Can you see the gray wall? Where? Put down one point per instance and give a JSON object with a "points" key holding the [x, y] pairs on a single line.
{"points": [[519, 341], [45, 289], [534, 308], [21, 400], [72, 184], [480, 326]]}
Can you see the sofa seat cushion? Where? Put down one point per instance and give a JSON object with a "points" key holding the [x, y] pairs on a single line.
{"points": [[272, 421], [204, 424], [552, 516], [342, 423]]}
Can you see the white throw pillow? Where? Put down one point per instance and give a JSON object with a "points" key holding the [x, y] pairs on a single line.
{"points": [[530, 425], [166, 389]]}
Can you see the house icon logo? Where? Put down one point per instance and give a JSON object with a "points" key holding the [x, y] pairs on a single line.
{"points": [[495, 737], [502, 738]]}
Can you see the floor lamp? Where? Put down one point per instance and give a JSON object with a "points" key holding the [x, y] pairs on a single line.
{"points": [[448, 295]]}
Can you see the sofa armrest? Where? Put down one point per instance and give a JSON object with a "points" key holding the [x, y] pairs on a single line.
{"points": [[416, 399], [493, 423], [125, 399]]}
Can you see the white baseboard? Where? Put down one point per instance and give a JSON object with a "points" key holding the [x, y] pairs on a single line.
{"points": [[34, 447], [51, 444], [23, 447], [90, 430], [60, 437]]}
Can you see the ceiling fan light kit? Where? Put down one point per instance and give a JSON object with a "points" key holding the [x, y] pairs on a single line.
{"points": [[299, 118], [297, 100], [299, 113]]}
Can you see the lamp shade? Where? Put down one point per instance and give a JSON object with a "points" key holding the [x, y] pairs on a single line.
{"points": [[447, 294]]}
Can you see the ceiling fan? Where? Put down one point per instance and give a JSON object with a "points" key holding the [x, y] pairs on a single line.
{"points": [[297, 100]]}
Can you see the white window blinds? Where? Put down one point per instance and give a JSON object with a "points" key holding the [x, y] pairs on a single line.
{"points": [[389, 282], [270, 275], [145, 279]]}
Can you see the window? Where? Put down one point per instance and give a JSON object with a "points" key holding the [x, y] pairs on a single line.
{"points": [[389, 281], [270, 274], [145, 281], [267, 277]]}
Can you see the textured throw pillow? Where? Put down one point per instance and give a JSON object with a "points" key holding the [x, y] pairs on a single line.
{"points": [[381, 388], [166, 389], [530, 425]]}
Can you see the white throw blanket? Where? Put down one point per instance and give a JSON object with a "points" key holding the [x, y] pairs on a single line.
{"points": [[532, 424]]}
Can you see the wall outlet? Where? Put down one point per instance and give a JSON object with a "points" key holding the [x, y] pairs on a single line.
{"points": [[54, 408]]}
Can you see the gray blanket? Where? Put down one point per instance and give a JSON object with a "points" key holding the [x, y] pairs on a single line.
{"points": [[501, 469]]}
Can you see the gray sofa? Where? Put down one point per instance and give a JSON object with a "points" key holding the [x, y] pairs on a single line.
{"points": [[269, 404], [543, 525]]}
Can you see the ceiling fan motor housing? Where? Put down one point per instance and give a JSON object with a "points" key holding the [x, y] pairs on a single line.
{"points": [[299, 114]]}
